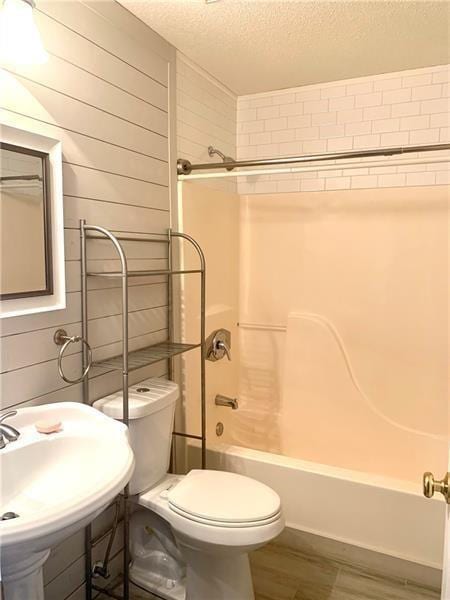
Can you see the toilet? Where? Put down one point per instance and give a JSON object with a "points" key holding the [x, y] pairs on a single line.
{"points": [[191, 536]]}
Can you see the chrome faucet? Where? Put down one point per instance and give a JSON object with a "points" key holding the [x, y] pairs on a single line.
{"points": [[8, 432], [218, 345]]}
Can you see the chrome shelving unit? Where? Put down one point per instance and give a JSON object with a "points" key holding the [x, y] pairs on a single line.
{"points": [[127, 362]]}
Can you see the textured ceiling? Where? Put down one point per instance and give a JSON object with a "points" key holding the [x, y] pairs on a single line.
{"points": [[260, 45]]}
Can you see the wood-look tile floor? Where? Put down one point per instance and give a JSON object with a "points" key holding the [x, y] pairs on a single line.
{"points": [[281, 573]]}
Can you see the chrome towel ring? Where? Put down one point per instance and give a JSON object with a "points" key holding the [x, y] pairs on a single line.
{"points": [[62, 339]]}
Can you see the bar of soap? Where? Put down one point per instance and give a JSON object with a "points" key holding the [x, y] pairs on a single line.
{"points": [[48, 426]]}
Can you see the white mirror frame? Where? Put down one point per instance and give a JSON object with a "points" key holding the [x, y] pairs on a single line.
{"points": [[23, 306]]}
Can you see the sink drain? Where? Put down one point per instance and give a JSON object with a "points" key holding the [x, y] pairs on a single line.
{"points": [[8, 515]]}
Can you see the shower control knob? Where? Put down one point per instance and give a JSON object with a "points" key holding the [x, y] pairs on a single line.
{"points": [[431, 485], [218, 345]]}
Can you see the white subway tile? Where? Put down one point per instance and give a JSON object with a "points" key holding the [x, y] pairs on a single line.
{"points": [[307, 133], [312, 185], [373, 113], [382, 170], [333, 91], [243, 139], [437, 166], [265, 187], [267, 150], [242, 104], [248, 114], [399, 138], [405, 109], [340, 144], [245, 152], [442, 76], [444, 134], [250, 126], [423, 178], [328, 118], [286, 135], [268, 112], [334, 173], [291, 148], [259, 138], [424, 136], [275, 124], [338, 183], [366, 141], [311, 94], [397, 96], [445, 90], [350, 116], [393, 180], [360, 128], [245, 187], [427, 92], [287, 110], [385, 125], [288, 186], [364, 181], [416, 122], [314, 146], [417, 80], [360, 88], [443, 177], [315, 106], [392, 83], [260, 102], [282, 99], [344, 103], [354, 172], [332, 131], [364, 100], [438, 105], [299, 121]]}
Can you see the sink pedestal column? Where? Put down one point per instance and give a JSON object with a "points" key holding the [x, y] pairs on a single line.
{"points": [[22, 578]]}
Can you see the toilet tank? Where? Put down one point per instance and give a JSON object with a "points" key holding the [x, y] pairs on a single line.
{"points": [[151, 408]]}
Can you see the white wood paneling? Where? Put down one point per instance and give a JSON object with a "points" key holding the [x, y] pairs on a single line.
{"points": [[71, 47], [206, 116], [104, 93]]}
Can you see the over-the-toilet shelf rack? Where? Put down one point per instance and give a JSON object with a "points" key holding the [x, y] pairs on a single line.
{"points": [[130, 361]]}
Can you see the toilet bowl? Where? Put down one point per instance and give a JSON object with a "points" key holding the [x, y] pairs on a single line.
{"points": [[190, 539]]}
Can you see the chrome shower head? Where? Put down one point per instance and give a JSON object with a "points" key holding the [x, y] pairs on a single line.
{"points": [[226, 159]]}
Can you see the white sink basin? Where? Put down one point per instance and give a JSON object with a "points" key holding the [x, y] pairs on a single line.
{"points": [[56, 484]]}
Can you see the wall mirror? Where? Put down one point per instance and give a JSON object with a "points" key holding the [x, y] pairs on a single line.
{"points": [[31, 226]]}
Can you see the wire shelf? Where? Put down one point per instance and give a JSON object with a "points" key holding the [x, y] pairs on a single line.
{"points": [[145, 356], [147, 273]]}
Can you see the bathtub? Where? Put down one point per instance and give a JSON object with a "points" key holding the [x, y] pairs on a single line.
{"points": [[375, 513]]}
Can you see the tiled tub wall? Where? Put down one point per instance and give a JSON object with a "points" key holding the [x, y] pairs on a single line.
{"points": [[395, 109]]}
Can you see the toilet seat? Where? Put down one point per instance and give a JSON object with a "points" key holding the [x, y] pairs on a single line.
{"points": [[224, 499], [226, 524], [219, 533]]}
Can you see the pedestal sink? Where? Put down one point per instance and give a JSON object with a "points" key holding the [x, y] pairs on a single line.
{"points": [[56, 484]]}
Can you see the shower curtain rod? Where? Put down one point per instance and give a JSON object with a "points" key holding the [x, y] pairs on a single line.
{"points": [[185, 167]]}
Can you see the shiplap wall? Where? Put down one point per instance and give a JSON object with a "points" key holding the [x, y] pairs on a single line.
{"points": [[106, 93], [206, 116]]}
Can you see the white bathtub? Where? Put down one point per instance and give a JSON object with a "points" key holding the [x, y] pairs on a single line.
{"points": [[384, 515]]}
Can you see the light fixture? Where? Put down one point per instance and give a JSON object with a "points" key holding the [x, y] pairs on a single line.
{"points": [[20, 41]]}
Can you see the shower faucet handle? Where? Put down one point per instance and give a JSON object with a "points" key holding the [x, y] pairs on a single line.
{"points": [[223, 346], [218, 345]]}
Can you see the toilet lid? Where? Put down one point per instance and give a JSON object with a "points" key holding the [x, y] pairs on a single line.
{"points": [[223, 497]]}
